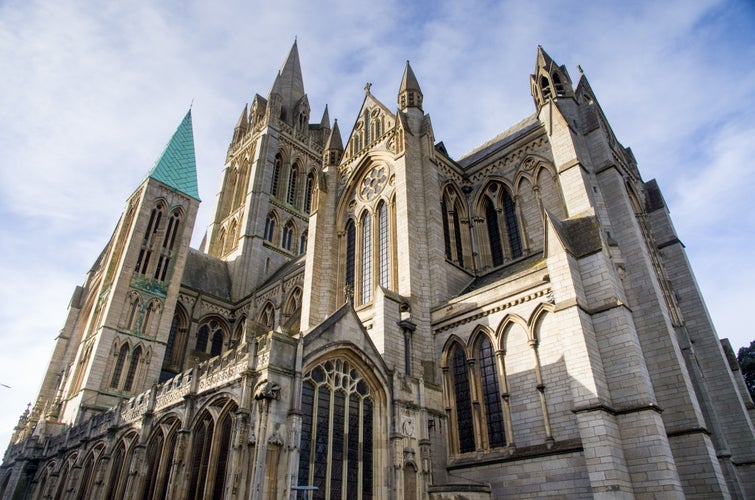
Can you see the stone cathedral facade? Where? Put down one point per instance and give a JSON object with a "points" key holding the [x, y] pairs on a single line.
{"points": [[369, 318]]}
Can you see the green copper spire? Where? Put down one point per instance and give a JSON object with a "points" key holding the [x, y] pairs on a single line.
{"points": [[177, 167]]}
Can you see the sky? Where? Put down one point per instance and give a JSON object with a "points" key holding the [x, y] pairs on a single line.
{"points": [[91, 92]]}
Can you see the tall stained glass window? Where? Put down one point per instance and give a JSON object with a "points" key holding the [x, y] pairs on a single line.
{"points": [[336, 450], [366, 258], [463, 402], [491, 394]]}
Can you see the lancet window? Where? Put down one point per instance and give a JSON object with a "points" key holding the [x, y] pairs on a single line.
{"points": [[292, 183], [270, 227], [176, 346], [169, 243], [211, 332], [308, 192], [504, 241], [336, 449], [148, 242], [210, 448], [277, 165], [457, 243]]}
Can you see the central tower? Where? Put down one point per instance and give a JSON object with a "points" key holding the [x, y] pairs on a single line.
{"points": [[272, 164]]}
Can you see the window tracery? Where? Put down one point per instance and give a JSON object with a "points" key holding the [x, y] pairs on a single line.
{"points": [[336, 447]]}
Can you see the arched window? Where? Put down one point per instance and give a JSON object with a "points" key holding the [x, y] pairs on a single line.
{"points": [[174, 350], [117, 474], [276, 175], [88, 474], [221, 460], [148, 241], [350, 260], [135, 357], [154, 450], [491, 393], [303, 242], [203, 335], [270, 227], [512, 226], [308, 192], [545, 86], [132, 311], [384, 246], [209, 332], [288, 236], [60, 493], [267, 316], [446, 232], [463, 401], [336, 448], [494, 232], [291, 196], [169, 242], [200, 456], [367, 287], [151, 318], [119, 362], [217, 344]]}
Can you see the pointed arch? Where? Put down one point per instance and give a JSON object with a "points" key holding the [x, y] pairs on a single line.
{"points": [[293, 182], [384, 244], [175, 348], [350, 272], [120, 360], [154, 225], [532, 213], [212, 334], [303, 242], [308, 190], [239, 331], [490, 389], [152, 314], [455, 216], [289, 235], [275, 179], [132, 304], [136, 356], [341, 405], [168, 245], [270, 226], [267, 315], [365, 227]]}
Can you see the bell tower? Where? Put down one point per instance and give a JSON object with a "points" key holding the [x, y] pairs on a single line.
{"points": [[119, 321]]}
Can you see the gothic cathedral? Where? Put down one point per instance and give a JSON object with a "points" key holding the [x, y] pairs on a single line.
{"points": [[371, 319]]}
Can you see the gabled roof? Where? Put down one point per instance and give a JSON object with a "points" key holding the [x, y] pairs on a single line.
{"points": [[176, 167]]}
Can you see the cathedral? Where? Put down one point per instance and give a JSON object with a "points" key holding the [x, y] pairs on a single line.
{"points": [[369, 318]]}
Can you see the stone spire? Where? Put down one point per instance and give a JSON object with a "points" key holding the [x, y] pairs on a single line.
{"points": [[409, 94], [325, 122], [241, 126], [333, 150], [289, 84]]}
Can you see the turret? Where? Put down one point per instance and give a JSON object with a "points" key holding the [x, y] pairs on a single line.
{"points": [[550, 80], [409, 94], [333, 151]]}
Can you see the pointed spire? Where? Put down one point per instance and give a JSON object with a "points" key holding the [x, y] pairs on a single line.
{"points": [[176, 167], [550, 81], [241, 126], [333, 151], [334, 141], [325, 122], [409, 94], [289, 83]]}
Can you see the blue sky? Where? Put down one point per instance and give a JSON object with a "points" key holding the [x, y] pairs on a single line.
{"points": [[90, 95]]}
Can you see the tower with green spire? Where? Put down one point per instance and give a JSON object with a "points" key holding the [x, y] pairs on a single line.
{"points": [[120, 319]]}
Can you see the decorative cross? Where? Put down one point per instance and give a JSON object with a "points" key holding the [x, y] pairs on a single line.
{"points": [[367, 87]]}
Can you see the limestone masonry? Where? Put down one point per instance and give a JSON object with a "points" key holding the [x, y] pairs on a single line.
{"points": [[372, 319]]}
